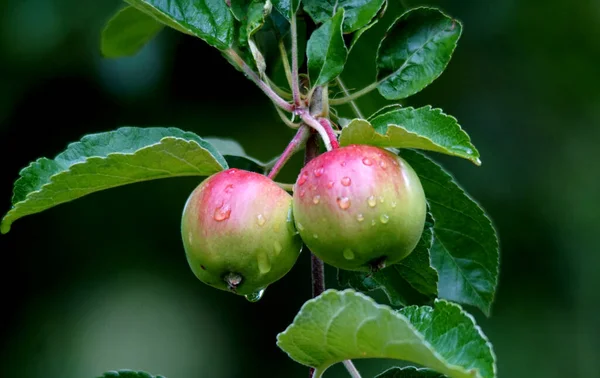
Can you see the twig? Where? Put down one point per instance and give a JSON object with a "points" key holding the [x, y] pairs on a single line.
{"points": [[257, 80], [294, 146], [295, 70]]}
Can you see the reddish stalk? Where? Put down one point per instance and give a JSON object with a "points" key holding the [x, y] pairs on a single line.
{"points": [[294, 146]]}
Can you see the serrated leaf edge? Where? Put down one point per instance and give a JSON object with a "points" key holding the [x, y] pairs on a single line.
{"points": [[330, 292], [474, 159], [404, 64], [5, 225], [487, 310]]}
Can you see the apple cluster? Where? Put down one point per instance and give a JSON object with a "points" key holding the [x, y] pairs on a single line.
{"points": [[358, 208]]}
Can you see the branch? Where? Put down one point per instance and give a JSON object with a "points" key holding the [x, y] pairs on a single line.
{"points": [[257, 80], [295, 70], [295, 145]]}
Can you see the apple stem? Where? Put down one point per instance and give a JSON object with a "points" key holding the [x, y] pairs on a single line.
{"points": [[295, 145]]}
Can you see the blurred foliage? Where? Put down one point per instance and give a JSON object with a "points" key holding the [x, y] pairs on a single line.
{"points": [[102, 283]]}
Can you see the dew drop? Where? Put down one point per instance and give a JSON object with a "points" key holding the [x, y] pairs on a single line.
{"points": [[346, 181], [384, 218], [330, 184], [255, 297], [222, 213], [382, 164], [300, 227], [190, 237], [367, 161], [373, 223], [372, 201], [232, 171], [260, 219], [302, 193], [229, 189], [264, 265], [277, 248], [318, 172], [343, 164], [381, 199], [302, 178], [360, 217], [348, 254], [343, 202], [316, 199], [315, 236], [394, 204]]}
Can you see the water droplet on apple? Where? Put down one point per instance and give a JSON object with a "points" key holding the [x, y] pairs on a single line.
{"points": [[255, 297], [367, 161], [343, 203], [384, 218], [346, 181], [277, 248], [372, 201], [222, 213], [264, 265], [260, 219], [316, 199], [360, 217], [348, 254], [318, 172]]}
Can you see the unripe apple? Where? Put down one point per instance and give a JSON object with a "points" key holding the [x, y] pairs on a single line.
{"points": [[238, 232], [359, 207]]}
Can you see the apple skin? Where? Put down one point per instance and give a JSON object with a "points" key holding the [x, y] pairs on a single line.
{"points": [[359, 207], [239, 224]]}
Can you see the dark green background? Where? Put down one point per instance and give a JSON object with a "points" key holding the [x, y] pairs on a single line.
{"points": [[102, 283]]}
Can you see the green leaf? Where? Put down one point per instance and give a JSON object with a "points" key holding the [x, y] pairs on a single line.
{"points": [[415, 270], [326, 51], [409, 372], [415, 51], [359, 13], [210, 20], [286, 7], [423, 128], [343, 325], [465, 247], [127, 32], [107, 160], [235, 155], [239, 8], [128, 374]]}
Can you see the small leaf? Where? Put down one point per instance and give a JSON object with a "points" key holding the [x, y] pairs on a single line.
{"points": [[343, 325], [127, 32], [210, 20], [107, 160], [415, 51], [409, 372], [235, 155], [359, 13], [465, 246], [415, 270], [423, 128], [287, 7], [326, 51], [239, 8], [128, 374]]}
